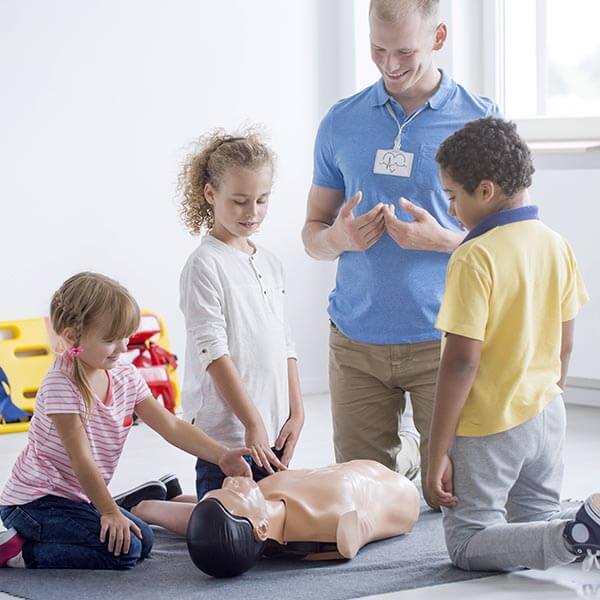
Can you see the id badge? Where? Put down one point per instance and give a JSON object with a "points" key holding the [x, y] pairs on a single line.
{"points": [[393, 162]]}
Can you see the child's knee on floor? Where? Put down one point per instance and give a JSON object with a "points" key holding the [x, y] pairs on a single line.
{"points": [[138, 550], [147, 540], [457, 555]]}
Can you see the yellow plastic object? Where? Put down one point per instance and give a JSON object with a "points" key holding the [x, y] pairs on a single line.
{"points": [[25, 356], [149, 319]]}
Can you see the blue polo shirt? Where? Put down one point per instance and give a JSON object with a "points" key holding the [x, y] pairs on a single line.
{"points": [[388, 295]]}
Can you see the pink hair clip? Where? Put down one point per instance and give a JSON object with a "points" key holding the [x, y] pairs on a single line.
{"points": [[75, 351]]}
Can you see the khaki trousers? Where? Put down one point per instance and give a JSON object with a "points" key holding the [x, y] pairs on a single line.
{"points": [[368, 385]]}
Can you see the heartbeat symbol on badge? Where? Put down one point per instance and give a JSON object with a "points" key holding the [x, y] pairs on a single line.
{"points": [[391, 160]]}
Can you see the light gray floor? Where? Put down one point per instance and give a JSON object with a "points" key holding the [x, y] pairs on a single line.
{"points": [[147, 456]]}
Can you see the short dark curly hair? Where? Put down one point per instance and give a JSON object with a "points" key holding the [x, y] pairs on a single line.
{"points": [[491, 149]]}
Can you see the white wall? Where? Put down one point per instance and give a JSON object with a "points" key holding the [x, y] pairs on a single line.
{"points": [[568, 201], [100, 98]]}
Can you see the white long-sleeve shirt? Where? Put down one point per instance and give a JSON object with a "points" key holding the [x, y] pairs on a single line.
{"points": [[233, 303]]}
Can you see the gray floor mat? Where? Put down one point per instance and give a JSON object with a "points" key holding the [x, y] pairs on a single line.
{"points": [[415, 560]]}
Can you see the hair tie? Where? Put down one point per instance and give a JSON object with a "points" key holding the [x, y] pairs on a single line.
{"points": [[75, 351]]}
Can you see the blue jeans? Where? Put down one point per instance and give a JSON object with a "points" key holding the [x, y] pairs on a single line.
{"points": [[210, 477], [64, 534]]}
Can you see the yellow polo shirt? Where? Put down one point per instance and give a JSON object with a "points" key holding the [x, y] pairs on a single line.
{"points": [[511, 288]]}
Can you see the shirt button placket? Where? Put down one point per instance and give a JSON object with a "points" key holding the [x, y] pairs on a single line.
{"points": [[258, 276]]}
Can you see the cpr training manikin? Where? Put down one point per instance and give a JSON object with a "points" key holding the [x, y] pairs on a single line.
{"points": [[329, 512]]}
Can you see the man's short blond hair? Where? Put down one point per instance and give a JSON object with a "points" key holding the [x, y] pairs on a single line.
{"points": [[393, 11]]}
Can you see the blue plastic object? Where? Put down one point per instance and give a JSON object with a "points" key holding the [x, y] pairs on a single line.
{"points": [[9, 413]]}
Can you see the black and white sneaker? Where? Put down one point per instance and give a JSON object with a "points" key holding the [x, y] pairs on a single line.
{"points": [[151, 490], [583, 534], [172, 484]]}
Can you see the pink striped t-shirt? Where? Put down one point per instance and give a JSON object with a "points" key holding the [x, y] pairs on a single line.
{"points": [[43, 467]]}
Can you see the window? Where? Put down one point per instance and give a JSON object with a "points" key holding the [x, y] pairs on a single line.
{"points": [[538, 59], [543, 66]]}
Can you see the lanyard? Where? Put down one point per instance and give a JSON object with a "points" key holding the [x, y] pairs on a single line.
{"points": [[397, 141]]}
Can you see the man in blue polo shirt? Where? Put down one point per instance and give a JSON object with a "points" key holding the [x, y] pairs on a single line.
{"points": [[373, 151]]}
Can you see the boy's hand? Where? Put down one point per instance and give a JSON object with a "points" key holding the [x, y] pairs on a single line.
{"points": [[257, 441], [439, 482], [288, 438], [117, 526], [232, 463]]}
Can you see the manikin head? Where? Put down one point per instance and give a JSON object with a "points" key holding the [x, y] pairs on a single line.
{"points": [[227, 531], [243, 497]]}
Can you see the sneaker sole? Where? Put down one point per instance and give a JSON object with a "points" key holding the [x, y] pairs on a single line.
{"points": [[133, 491], [168, 478]]}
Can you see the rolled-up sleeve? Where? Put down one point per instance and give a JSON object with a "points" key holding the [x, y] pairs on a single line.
{"points": [[202, 306], [289, 343]]}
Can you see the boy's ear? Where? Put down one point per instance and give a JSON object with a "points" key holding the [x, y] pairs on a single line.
{"points": [[487, 190]]}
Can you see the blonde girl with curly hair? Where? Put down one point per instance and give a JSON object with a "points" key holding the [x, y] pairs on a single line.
{"points": [[241, 381], [56, 504]]}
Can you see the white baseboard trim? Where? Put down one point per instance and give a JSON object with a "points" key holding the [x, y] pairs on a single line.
{"points": [[582, 391]]}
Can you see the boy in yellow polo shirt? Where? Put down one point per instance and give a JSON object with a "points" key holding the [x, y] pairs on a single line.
{"points": [[512, 293]]}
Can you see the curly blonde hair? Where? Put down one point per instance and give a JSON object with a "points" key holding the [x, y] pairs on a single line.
{"points": [[215, 152], [92, 300]]}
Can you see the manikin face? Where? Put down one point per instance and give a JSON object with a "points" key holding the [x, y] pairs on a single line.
{"points": [[403, 51], [96, 351], [240, 202], [242, 497], [469, 209]]}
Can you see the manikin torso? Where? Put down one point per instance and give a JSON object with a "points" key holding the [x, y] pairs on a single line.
{"points": [[348, 504]]}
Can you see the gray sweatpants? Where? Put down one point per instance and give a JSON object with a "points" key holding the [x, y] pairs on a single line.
{"points": [[508, 488]]}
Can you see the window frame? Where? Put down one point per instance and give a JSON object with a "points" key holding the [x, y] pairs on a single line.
{"points": [[541, 128]]}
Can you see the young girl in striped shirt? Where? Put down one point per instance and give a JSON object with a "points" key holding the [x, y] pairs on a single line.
{"points": [[56, 504]]}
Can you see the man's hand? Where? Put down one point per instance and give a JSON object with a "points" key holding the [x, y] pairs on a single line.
{"points": [[288, 438], [352, 233], [422, 233], [439, 482]]}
